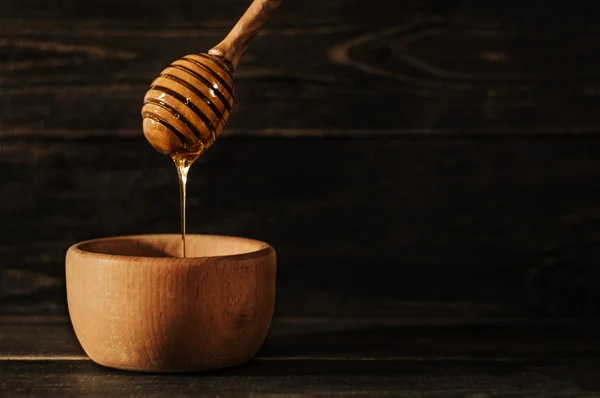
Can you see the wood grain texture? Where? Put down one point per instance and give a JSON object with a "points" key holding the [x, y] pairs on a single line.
{"points": [[135, 304], [347, 64], [305, 357], [325, 338], [449, 147], [38, 336], [313, 378], [464, 227], [234, 45], [510, 223]]}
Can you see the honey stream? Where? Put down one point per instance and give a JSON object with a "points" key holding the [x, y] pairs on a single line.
{"points": [[183, 162]]}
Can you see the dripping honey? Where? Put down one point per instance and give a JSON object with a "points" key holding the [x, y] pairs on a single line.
{"points": [[183, 162]]}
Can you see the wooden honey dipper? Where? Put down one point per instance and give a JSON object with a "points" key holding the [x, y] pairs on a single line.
{"points": [[188, 104]]}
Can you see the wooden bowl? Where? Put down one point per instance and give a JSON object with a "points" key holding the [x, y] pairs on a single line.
{"points": [[136, 306]]}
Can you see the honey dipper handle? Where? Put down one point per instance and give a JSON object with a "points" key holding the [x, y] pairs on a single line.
{"points": [[233, 46]]}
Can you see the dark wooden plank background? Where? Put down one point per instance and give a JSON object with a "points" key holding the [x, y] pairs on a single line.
{"points": [[428, 171], [79, 69], [415, 158]]}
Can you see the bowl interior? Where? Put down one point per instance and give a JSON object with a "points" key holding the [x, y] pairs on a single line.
{"points": [[170, 246]]}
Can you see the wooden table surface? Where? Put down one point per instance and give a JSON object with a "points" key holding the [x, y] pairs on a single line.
{"points": [[317, 357], [428, 171]]}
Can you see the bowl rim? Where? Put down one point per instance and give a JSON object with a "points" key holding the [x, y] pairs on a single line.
{"points": [[264, 250]]}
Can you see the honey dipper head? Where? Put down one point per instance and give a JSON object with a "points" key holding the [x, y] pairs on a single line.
{"points": [[188, 104]]}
